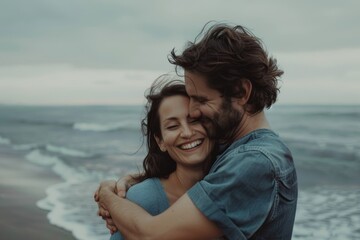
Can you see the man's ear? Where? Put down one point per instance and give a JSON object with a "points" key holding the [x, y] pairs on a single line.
{"points": [[247, 88], [160, 143]]}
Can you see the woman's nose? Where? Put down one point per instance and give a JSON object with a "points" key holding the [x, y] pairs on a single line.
{"points": [[187, 132]]}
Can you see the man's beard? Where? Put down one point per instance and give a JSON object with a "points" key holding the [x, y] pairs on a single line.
{"points": [[223, 126]]}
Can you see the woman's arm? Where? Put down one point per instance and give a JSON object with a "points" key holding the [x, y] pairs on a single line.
{"points": [[181, 221]]}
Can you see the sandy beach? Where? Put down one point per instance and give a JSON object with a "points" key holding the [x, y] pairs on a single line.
{"points": [[22, 184]]}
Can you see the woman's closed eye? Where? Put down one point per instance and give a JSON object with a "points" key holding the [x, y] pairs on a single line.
{"points": [[172, 127]]}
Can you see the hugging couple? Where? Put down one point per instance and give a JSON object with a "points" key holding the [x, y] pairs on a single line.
{"points": [[214, 168]]}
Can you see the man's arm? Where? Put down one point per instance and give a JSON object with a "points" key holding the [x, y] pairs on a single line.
{"points": [[181, 221]]}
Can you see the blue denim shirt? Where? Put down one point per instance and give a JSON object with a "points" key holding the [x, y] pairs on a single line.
{"points": [[251, 189]]}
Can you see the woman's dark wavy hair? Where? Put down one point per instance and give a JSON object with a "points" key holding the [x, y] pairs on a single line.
{"points": [[226, 56], [157, 163]]}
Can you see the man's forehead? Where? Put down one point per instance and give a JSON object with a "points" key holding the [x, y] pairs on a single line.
{"points": [[194, 82], [196, 85], [189, 85], [191, 88], [189, 78]]}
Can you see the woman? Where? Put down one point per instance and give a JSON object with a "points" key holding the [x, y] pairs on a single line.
{"points": [[179, 151]]}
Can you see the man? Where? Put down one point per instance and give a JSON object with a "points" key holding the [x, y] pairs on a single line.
{"points": [[251, 189]]}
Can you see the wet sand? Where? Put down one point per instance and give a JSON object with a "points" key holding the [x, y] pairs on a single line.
{"points": [[22, 184]]}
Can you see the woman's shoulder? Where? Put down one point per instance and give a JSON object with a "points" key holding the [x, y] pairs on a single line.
{"points": [[150, 195], [147, 186]]}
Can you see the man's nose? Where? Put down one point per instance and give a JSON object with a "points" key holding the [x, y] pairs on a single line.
{"points": [[194, 111]]}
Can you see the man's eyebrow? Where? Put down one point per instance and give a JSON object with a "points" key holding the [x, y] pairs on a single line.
{"points": [[198, 98]]}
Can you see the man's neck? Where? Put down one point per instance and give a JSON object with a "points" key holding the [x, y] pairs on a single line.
{"points": [[251, 123]]}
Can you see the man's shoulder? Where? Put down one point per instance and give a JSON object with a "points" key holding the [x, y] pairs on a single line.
{"points": [[262, 146], [261, 140]]}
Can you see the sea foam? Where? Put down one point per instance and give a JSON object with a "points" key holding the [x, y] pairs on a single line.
{"points": [[4, 141], [66, 151], [68, 202], [328, 213], [95, 127], [25, 147]]}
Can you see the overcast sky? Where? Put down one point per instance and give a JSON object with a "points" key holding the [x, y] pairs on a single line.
{"points": [[109, 51]]}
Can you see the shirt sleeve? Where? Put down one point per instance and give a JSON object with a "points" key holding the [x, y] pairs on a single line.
{"points": [[237, 194]]}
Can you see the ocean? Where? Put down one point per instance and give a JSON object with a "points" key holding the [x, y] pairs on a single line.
{"points": [[86, 144]]}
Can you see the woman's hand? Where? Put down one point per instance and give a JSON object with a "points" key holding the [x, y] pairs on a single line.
{"points": [[120, 188], [123, 184], [102, 209]]}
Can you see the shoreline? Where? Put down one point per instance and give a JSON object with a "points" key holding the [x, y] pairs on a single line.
{"points": [[22, 184]]}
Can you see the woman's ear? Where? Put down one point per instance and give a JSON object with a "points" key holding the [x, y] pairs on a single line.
{"points": [[161, 144]]}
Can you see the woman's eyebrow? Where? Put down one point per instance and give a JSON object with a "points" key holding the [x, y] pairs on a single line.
{"points": [[170, 119]]}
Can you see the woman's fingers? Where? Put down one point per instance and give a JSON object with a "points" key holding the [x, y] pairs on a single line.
{"points": [[103, 213], [111, 225]]}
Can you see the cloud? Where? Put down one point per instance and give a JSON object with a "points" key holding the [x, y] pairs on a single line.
{"points": [[131, 34], [323, 77], [336, 63], [94, 42], [64, 85]]}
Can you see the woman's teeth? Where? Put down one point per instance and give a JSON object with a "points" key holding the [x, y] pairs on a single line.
{"points": [[191, 145]]}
